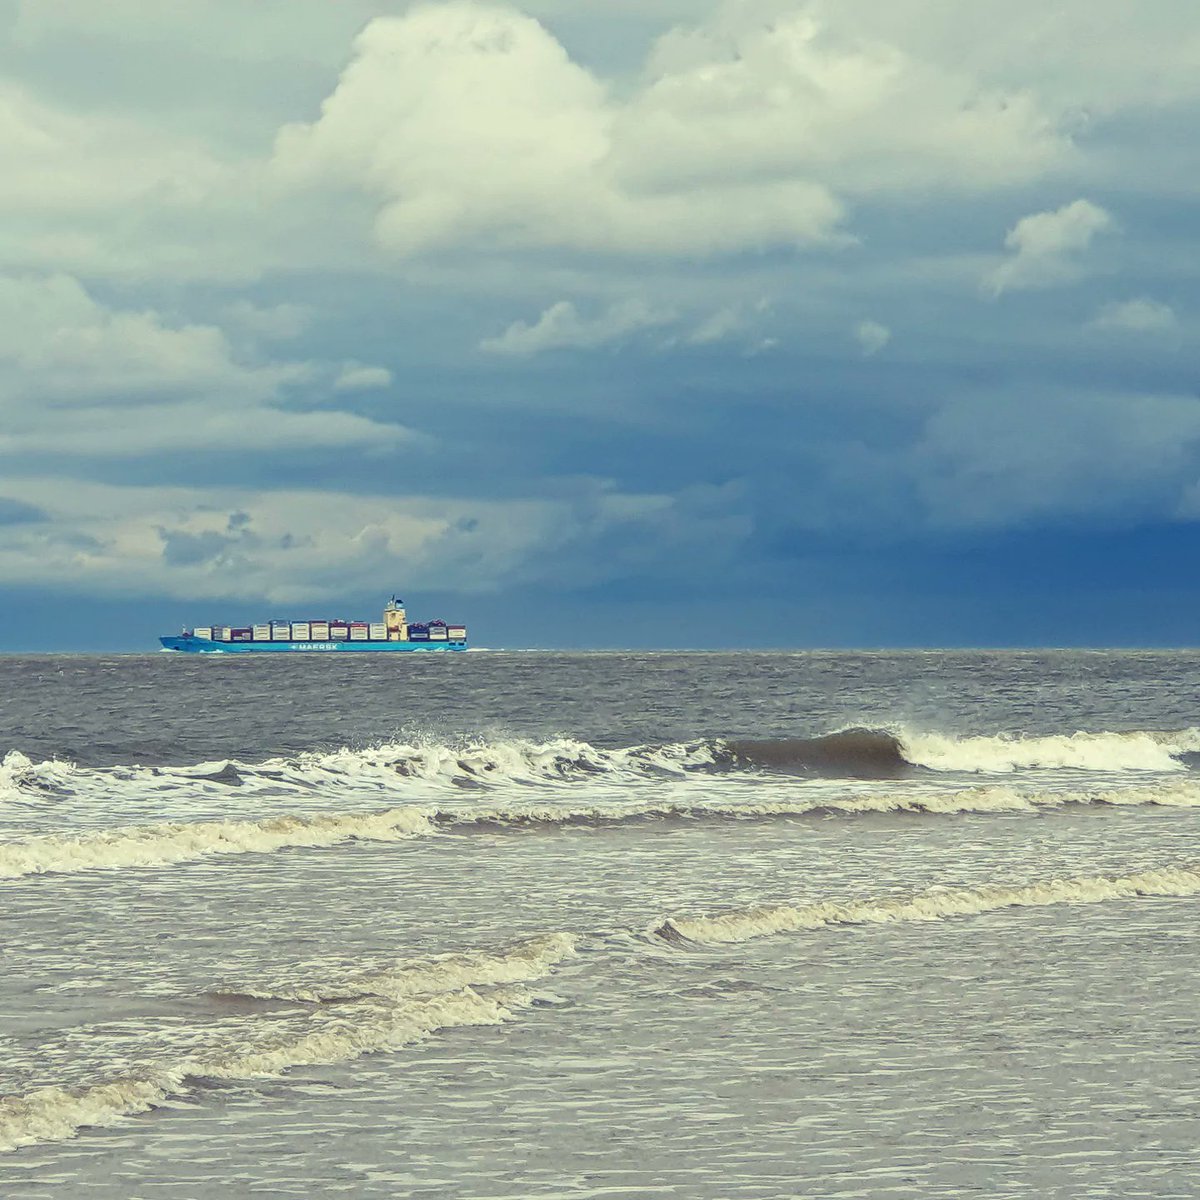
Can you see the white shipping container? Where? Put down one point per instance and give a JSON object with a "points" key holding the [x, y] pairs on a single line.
{"points": [[458, 633], [224, 633], [301, 631], [319, 631], [358, 633], [378, 631], [438, 633], [338, 633], [262, 633], [281, 633], [203, 631]]}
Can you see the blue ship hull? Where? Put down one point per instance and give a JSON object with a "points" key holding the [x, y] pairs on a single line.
{"points": [[192, 645]]}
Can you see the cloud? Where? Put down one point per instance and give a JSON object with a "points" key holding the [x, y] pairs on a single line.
{"points": [[60, 344], [748, 127], [470, 124], [292, 546], [717, 327], [1092, 57], [78, 378], [1046, 246], [16, 512], [871, 337], [1142, 315], [733, 323], [999, 461], [278, 322], [358, 378], [116, 195], [765, 92], [562, 327], [60, 163]]}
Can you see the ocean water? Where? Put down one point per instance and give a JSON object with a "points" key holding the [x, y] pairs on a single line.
{"points": [[511, 926]]}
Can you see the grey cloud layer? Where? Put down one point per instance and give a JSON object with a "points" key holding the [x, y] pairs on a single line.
{"points": [[870, 264]]}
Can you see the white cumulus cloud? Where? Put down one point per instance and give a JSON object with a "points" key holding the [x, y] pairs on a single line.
{"points": [[79, 378], [1142, 315], [871, 337], [562, 326], [355, 377], [1046, 246], [470, 123]]}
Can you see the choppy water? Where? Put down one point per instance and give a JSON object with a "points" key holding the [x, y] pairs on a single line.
{"points": [[534, 925]]}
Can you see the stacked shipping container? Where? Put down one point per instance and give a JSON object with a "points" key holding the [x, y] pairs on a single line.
{"points": [[338, 631]]}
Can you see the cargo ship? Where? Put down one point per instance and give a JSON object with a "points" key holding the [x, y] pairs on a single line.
{"points": [[395, 632]]}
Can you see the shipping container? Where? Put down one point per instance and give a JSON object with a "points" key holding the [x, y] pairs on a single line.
{"points": [[203, 631], [262, 633], [358, 632], [338, 632], [437, 633], [378, 631], [457, 633], [224, 633], [418, 633], [241, 635], [319, 631], [301, 631]]}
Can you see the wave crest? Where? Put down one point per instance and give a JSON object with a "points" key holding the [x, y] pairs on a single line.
{"points": [[359, 1015], [935, 904], [852, 753], [165, 845], [151, 846], [521, 962], [54, 1114], [1004, 754]]}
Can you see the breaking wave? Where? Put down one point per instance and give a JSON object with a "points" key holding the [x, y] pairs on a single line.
{"points": [[353, 1016], [164, 845], [521, 962], [173, 843], [346, 1032], [856, 753], [1110, 752], [21, 778]]}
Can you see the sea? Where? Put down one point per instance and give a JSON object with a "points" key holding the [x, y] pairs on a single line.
{"points": [[588, 926]]}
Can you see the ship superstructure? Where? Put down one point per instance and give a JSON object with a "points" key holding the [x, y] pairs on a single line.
{"points": [[394, 632]]}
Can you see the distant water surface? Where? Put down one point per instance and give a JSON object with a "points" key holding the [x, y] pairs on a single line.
{"points": [[540, 925]]}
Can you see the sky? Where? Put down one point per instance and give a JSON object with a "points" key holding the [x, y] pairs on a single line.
{"points": [[763, 323]]}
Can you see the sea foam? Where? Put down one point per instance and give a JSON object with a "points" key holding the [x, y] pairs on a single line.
{"points": [[169, 844]]}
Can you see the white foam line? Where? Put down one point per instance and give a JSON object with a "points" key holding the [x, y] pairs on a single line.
{"points": [[388, 768], [167, 844], [347, 1032], [897, 800], [1133, 751], [381, 1010], [519, 963], [932, 905]]}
